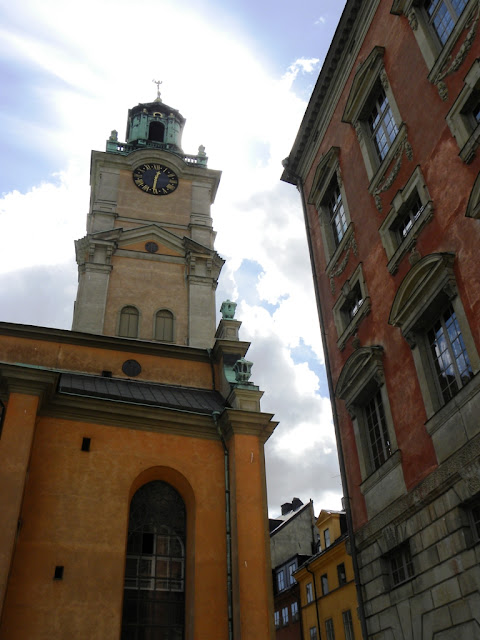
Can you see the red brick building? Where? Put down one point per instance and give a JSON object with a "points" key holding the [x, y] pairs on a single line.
{"points": [[387, 166]]}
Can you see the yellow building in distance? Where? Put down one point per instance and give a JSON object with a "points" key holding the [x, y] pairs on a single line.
{"points": [[328, 596]]}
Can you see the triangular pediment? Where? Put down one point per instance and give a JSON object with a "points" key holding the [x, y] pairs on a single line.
{"points": [[136, 239], [363, 84]]}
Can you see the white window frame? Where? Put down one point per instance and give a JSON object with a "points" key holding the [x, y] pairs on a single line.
{"points": [[422, 296], [276, 619], [329, 629], [348, 625], [345, 323], [309, 592], [369, 79], [294, 610], [285, 616], [324, 583], [400, 555], [434, 53], [460, 119], [395, 247], [327, 174], [361, 378]]}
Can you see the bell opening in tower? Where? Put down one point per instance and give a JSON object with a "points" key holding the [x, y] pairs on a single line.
{"points": [[156, 132]]}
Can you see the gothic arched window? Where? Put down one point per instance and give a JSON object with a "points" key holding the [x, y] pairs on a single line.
{"points": [[156, 132], [154, 590], [128, 327], [164, 325]]}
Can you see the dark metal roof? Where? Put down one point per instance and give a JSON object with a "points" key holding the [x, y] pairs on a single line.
{"points": [[145, 393]]}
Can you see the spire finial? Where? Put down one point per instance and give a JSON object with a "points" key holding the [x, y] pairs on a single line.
{"points": [[158, 83]]}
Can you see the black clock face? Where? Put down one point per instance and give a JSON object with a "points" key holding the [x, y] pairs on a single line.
{"points": [[156, 179]]}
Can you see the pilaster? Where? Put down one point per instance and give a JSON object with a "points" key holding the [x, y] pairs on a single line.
{"points": [[25, 390], [245, 434]]}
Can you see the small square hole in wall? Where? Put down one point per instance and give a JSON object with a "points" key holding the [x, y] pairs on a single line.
{"points": [[58, 575], [86, 444], [106, 374]]}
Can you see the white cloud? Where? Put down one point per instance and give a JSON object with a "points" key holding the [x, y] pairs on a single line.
{"points": [[321, 20], [247, 119]]}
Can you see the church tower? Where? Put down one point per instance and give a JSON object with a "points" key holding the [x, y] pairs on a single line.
{"points": [[147, 266]]}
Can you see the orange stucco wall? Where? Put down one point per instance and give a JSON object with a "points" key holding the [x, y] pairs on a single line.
{"points": [[75, 514], [71, 507], [92, 360]]}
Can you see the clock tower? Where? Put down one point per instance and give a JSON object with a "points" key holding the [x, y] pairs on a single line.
{"points": [[147, 266]]}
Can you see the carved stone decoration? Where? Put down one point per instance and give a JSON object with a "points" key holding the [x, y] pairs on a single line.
{"points": [[338, 173], [351, 246], [359, 131], [384, 79], [411, 339], [413, 20], [356, 344], [415, 256], [454, 63], [471, 475], [387, 181]]}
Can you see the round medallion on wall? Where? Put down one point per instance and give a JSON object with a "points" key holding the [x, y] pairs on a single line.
{"points": [[131, 368], [156, 179], [151, 247]]}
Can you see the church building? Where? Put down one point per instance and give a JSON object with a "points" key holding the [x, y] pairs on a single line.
{"points": [[132, 466]]}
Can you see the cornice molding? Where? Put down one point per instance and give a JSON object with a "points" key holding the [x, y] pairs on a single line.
{"points": [[113, 343]]}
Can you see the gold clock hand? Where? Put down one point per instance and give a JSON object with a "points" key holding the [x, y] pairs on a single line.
{"points": [[155, 179]]}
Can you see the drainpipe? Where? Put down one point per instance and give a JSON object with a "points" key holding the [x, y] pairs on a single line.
{"points": [[341, 460], [215, 415], [316, 600]]}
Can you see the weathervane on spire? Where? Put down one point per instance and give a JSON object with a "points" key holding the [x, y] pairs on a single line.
{"points": [[158, 83]]}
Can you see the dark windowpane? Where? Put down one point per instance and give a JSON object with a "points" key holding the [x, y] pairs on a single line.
{"points": [[154, 605], [377, 431], [382, 125], [443, 14], [452, 365], [338, 220], [411, 213], [401, 566]]}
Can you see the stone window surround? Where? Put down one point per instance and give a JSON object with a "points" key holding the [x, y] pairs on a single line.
{"points": [[361, 377], [435, 55], [402, 552], [462, 125], [395, 250], [473, 206], [422, 296], [370, 74], [328, 170], [344, 327]]}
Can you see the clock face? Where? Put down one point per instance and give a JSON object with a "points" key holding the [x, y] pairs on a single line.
{"points": [[156, 179]]}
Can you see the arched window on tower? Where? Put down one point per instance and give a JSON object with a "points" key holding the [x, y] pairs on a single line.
{"points": [[154, 590], [156, 132], [164, 325], [128, 326]]}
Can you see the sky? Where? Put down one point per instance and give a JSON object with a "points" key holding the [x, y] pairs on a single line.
{"points": [[241, 73]]}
